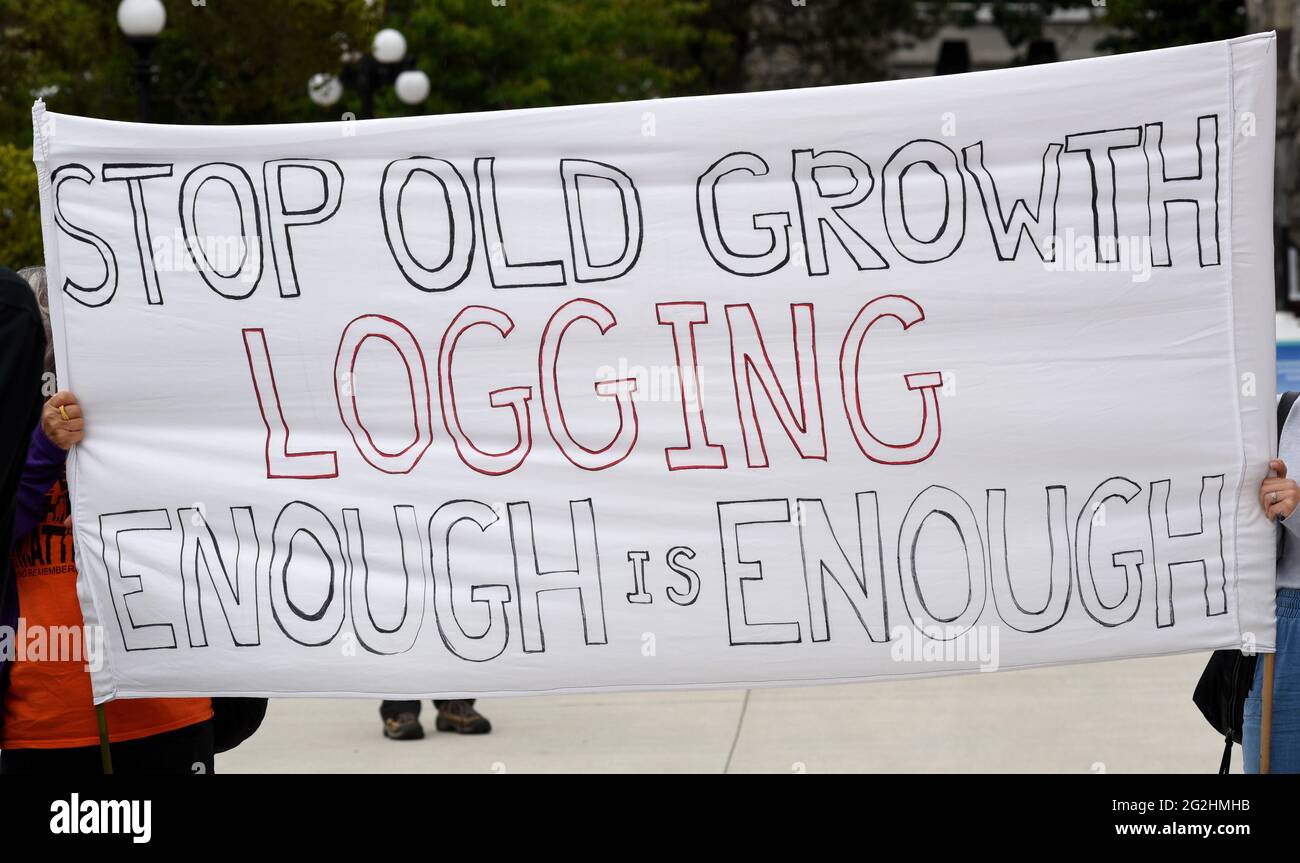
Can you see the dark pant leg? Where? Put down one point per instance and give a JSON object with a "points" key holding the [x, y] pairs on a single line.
{"points": [[438, 703], [185, 750], [390, 709], [73, 761]]}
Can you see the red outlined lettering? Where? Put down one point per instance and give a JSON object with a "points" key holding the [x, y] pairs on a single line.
{"points": [[699, 453], [906, 312], [807, 431], [355, 334], [620, 446], [280, 463], [514, 398]]}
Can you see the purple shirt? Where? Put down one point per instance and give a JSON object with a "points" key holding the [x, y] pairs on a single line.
{"points": [[42, 470], [44, 467]]}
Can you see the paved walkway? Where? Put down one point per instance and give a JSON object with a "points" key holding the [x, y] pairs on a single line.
{"points": [[1117, 717]]}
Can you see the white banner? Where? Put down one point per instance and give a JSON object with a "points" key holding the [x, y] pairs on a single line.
{"points": [[796, 387]]}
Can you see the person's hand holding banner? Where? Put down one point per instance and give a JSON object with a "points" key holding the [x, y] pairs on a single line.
{"points": [[62, 421]]}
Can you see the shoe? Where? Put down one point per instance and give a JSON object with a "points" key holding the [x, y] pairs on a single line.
{"points": [[403, 726], [461, 717]]}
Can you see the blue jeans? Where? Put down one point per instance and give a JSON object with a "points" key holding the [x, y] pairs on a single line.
{"points": [[1284, 751]]}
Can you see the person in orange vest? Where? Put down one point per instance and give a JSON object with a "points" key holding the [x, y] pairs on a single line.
{"points": [[49, 720]]}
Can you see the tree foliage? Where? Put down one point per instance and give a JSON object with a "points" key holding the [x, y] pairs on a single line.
{"points": [[20, 211], [1143, 25], [528, 53]]}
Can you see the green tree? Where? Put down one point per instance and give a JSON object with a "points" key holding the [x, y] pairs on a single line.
{"points": [[57, 50], [484, 55], [220, 62], [248, 62], [20, 208], [1141, 25]]}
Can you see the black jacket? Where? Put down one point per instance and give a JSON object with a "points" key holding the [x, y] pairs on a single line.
{"points": [[22, 360]]}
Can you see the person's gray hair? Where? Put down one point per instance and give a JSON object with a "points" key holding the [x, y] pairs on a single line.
{"points": [[35, 277]]}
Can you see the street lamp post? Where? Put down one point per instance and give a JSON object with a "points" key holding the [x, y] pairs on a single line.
{"points": [[386, 51], [385, 63], [141, 21]]}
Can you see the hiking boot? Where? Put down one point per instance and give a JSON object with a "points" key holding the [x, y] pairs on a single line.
{"points": [[403, 726], [461, 717]]}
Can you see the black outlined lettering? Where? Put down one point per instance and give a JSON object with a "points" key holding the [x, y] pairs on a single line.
{"points": [[638, 595], [1105, 215], [298, 523], [924, 153], [92, 295], [503, 273], [134, 176], [1059, 584], [572, 172], [1197, 189], [738, 571], [823, 555], [1198, 550], [202, 560], [1008, 230], [282, 217], [777, 225], [136, 635], [673, 560], [371, 634], [251, 262], [533, 581], [820, 210], [1129, 560], [491, 642], [938, 501], [456, 263]]}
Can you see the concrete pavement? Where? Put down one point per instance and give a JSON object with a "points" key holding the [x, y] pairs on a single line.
{"points": [[1115, 717]]}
